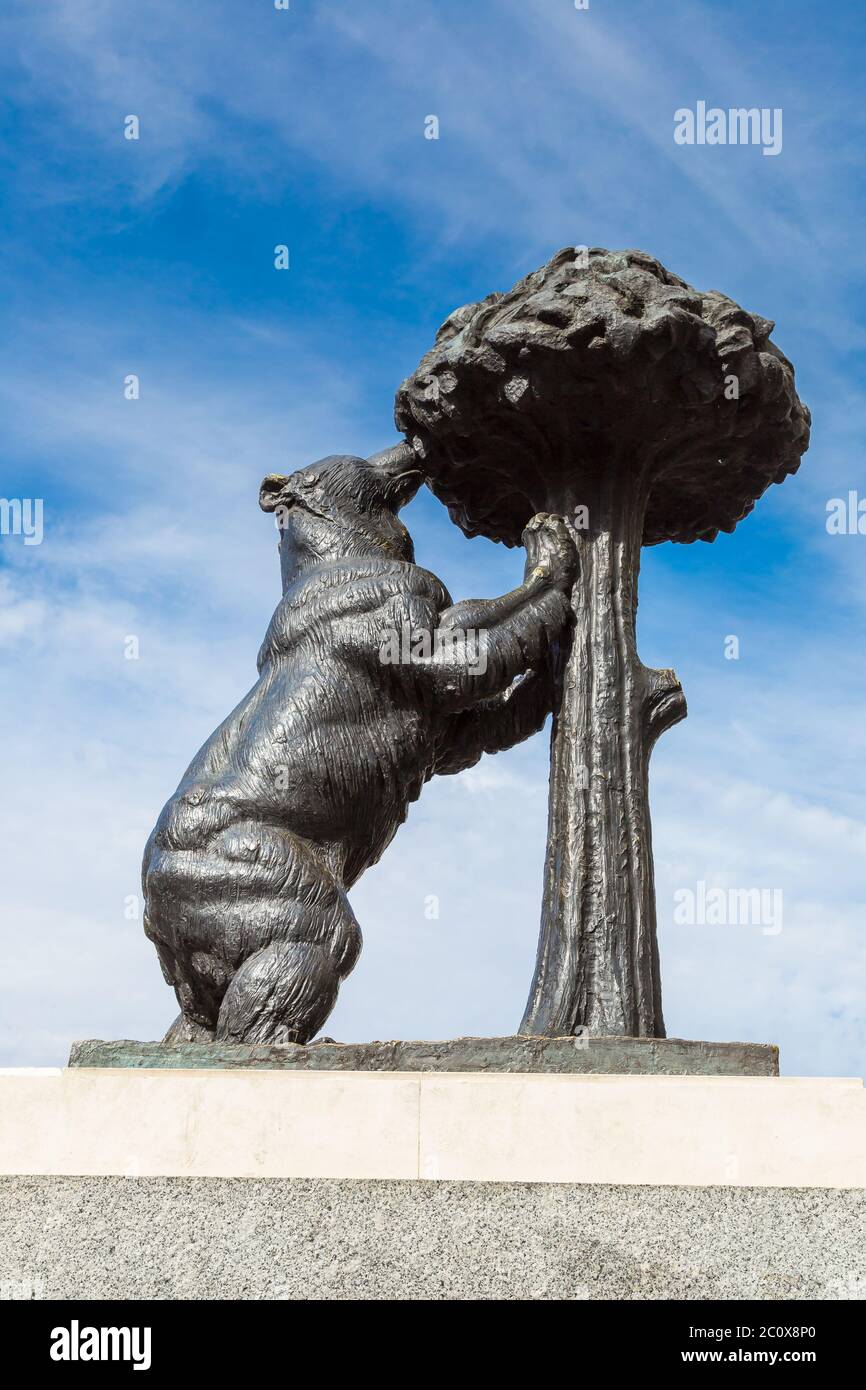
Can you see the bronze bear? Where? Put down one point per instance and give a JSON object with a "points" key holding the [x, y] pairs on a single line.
{"points": [[303, 786]]}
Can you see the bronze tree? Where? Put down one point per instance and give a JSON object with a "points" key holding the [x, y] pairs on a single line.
{"points": [[605, 388]]}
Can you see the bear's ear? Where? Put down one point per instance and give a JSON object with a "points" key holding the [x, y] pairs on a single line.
{"points": [[275, 492]]}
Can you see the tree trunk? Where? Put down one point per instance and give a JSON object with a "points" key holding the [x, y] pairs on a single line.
{"points": [[597, 962]]}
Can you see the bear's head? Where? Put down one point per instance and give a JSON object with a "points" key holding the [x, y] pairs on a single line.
{"points": [[343, 505]]}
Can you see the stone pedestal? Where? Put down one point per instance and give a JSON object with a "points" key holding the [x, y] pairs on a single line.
{"points": [[279, 1182], [499, 1127], [321, 1238]]}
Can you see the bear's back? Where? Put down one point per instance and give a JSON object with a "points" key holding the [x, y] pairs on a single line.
{"points": [[351, 602]]}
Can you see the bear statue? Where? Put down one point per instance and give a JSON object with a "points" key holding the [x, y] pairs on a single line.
{"points": [[302, 787]]}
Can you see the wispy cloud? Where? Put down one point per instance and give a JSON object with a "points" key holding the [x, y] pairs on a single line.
{"points": [[556, 127]]}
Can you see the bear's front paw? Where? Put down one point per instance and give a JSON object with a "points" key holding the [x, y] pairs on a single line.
{"points": [[550, 551]]}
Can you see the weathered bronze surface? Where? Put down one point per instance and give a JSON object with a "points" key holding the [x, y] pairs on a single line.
{"points": [[588, 1055], [600, 405], [370, 682], [604, 388]]}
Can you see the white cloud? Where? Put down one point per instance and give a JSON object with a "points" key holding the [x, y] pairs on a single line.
{"points": [[99, 743], [152, 525]]}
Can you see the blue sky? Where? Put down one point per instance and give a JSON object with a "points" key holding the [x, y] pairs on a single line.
{"points": [[155, 257]]}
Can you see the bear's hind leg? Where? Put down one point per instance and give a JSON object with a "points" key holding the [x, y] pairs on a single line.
{"points": [[187, 1029], [281, 994]]}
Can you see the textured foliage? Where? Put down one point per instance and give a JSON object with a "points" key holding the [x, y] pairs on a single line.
{"points": [[596, 363]]}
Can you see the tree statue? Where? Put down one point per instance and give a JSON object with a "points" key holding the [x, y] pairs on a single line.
{"points": [[604, 388]]}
